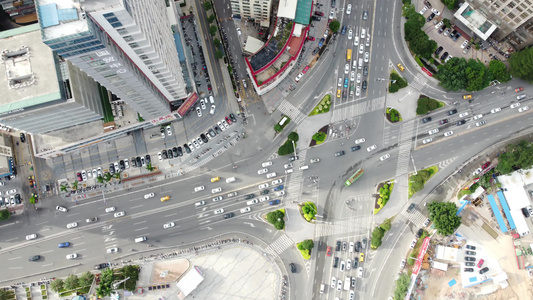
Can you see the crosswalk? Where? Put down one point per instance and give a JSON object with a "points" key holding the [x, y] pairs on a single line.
{"points": [[278, 246], [291, 111], [354, 109], [415, 217], [350, 226], [404, 148], [419, 82], [295, 178]]}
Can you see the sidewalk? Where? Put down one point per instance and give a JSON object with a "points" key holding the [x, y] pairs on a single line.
{"points": [[296, 227], [405, 102], [310, 126]]}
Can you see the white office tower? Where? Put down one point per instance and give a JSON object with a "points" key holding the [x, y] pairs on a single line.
{"points": [[125, 45]]}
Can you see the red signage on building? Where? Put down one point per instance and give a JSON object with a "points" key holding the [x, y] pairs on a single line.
{"points": [[187, 104], [423, 250]]}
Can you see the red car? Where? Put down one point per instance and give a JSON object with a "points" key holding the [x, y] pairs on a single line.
{"points": [[485, 165], [480, 263], [305, 69], [310, 38], [319, 13], [328, 253], [228, 120], [518, 89], [79, 177]]}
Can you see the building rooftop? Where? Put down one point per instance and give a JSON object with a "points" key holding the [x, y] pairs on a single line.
{"points": [[60, 18], [27, 75]]}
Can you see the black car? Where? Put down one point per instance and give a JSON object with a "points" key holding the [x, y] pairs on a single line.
{"points": [[525, 212], [101, 266], [175, 152], [365, 71], [452, 34], [459, 123], [419, 233], [442, 28], [426, 119], [468, 258], [439, 50], [335, 262], [338, 246], [264, 192], [470, 253], [164, 154], [364, 85], [230, 215], [470, 247], [35, 258], [316, 18], [353, 280], [411, 207], [217, 129], [180, 151], [355, 148], [111, 169], [452, 112], [456, 36], [444, 56], [316, 50], [430, 17], [204, 138], [147, 158], [469, 264], [134, 162], [122, 165], [170, 154], [232, 117], [484, 270], [293, 267], [340, 153], [249, 196], [186, 147], [22, 137], [355, 263], [357, 246], [468, 269]]}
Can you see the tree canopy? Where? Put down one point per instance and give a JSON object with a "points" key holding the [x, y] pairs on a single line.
{"points": [[460, 74], [401, 286], [450, 4], [334, 26], [521, 64], [106, 283], [499, 71], [516, 156], [444, 217]]}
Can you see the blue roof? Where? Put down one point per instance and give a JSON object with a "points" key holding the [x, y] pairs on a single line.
{"points": [[497, 214], [464, 202], [67, 14], [506, 210], [48, 15], [179, 48], [452, 282], [472, 279]]}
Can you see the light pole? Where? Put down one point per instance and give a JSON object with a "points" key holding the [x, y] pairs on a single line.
{"points": [[384, 79], [413, 160]]}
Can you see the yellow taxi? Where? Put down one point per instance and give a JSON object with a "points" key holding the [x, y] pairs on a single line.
{"points": [[466, 97], [338, 93], [215, 179], [166, 198], [361, 257], [401, 67]]}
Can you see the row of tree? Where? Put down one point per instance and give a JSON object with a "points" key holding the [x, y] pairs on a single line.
{"points": [[213, 29], [378, 233], [471, 75]]}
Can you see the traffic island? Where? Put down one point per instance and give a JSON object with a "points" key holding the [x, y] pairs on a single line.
{"points": [[418, 180], [276, 218], [319, 137], [393, 115], [426, 105], [305, 248], [308, 211], [323, 106], [378, 233], [385, 190], [397, 82]]}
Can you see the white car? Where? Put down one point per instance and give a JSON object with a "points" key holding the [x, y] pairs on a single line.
{"points": [[462, 115], [216, 190], [253, 201], [266, 164], [435, 11], [426, 222], [358, 77], [361, 49], [339, 285], [119, 214], [199, 188], [326, 33], [262, 171], [373, 147], [352, 76], [333, 281], [89, 174], [148, 196], [72, 256], [202, 104], [191, 146], [287, 166], [168, 225], [199, 203], [99, 171], [413, 243], [346, 68], [263, 199], [356, 41], [439, 25], [480, 123], [515, 105], [212, 110], [523, 109], [477, 171], [348, 9], [280, 193], [84, 175], [159, 156], [91, 219], [212, 99], [384, 157], [221, 126], [402, 264], [95, 173], [263, 186], [314, 160], [357, 90], [216, 199], [465, 43], [246, 209], [72, 225], [218, 211], [232, 194], [277, 181], [61, 208], [169, 130], [433, 131], [339, 83], [495, 110], [112, 250], [367, 41], [332, 14], [225, 124], [348, 264], [478, 117], [13, 191], [31, 237], [359, 141], [448, 133], [198, 112], [270, 175], [428, 140], [423, 10], [360, 272], [350, 34], [352, 247], [367, 56]]}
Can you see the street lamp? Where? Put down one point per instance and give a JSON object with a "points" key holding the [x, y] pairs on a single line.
{"points": [[384, 79]]}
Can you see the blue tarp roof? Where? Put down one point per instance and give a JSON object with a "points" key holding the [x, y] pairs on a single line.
{"points": [[48, 15], [472, 279], [462, 206], [506, 210], [452, 282], [497, 214]]}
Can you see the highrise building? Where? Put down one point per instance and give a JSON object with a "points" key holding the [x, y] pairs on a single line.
{"points": [[125, 45], [258, 11]]}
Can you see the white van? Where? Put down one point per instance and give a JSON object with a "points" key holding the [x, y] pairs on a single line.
{"points": [[231, 179], [354, 64], [140, 239], [360, 63], [363, 33], [304, 167]]}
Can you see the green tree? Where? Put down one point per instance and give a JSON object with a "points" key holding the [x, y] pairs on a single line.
{"points": [[402, 284], [149, 167], [278, 128], [216, 42], [219, 54], [106, 283], [75, 185], [450, 4], [499, 71], [86, 279], [279, 225], [444, 217], [100, 179], [117, 175], [133, 273], [4, 215], [293, 136], [64, 187], [334, 26], [309, 211], [408, 10], [57, 285], [521, 64], [211, 18], [319, 136], [208, 5], [447, 22], [274, 216], [386, 225], [377, 236], [32, 199], [286, 148], [72, 282], [4, 295], [107, 177], [306, 245], [212, 30]]}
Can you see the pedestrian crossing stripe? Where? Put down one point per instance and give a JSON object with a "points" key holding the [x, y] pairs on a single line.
{"points": [[278, 246]]}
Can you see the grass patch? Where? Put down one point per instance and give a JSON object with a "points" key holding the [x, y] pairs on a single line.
{"points": [[417, 182], [464, 192], [43, 287], [384, 195], [139, 117], [43, 292], [393, 115], [419, 62], [323, 106]]}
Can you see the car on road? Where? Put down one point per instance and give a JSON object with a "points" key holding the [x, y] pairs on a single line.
{"points": [[262, 171], [293, 267], [61, 208], [384, 157], [351, 247], [216, 190], [518, 89], [515, 105], [278, 188], [281, 193], [448, 133], [148, 196], [481, 123], [433, 131], [340, 153], [72, 256], [480, 263], [348, 9], [460, 122], [199, 188], [216, 199], [477, 171], [64, 245], [287, 166], [72, 225], [470, 252], [338, 246], [339, 285], [229, 215], [218, 211], [266, 164], [335, 262], [263, 199], [355, 148], [400, 66], [485, 165], [367, 56], [346, 69], [523, 109], [452, 112], [112, 250], [462, 115], [251, 202], [119, 214], [468, 96], [361, 257], [468, 269], [371, 148], [495, 110], [328, 251], [101, 266], [342, 266], [352, 76], [31, 237], [360, 272], [350, 34], [442, 122], [274, 202], [34, 258], [413, 243], [426, 119], [313, 161], [477, 117], [469, 264], [91, 220], [168, 225], [348, 264], [359, 141], [333, 282], [426, 141], [277, 181], [519, 97], [246, 209], [199, 203], [270, 175]]}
